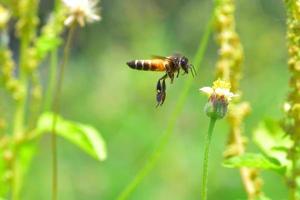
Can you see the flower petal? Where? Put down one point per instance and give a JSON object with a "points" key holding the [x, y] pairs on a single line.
{"points": [[231, 95], [207, 90], [69, 20], [222, 92]]}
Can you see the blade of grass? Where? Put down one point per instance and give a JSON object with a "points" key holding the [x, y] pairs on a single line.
{"points": [[152, 160]]}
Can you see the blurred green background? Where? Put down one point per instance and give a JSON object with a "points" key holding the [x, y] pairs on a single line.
{"points": [[101, 90]]}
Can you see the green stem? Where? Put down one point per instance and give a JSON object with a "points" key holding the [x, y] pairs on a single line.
{"points": [[56, 109], [19, 119], [151, 162], [20, 108], [292, 183], [53, 70], [52, 80], [206, 155]]}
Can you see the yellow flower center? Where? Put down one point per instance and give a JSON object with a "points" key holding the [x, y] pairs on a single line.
{"points": [[221, 84]]}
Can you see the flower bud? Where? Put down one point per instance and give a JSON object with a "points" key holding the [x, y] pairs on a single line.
{"points": [[216, 107]]}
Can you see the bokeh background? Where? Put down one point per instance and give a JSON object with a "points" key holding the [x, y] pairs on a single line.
{"points": [[101, 90]]}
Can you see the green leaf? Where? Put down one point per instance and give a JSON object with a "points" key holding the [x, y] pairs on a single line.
{"points": [[254, 161], [273, 141], [84, 136]]}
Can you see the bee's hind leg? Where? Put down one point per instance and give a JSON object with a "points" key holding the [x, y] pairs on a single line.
{"points": [[161, 92], [163, 77]]}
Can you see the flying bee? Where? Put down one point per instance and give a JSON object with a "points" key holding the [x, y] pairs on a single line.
{"points": [[171, 65]]}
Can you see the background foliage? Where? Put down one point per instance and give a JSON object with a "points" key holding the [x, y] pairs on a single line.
{"points": [[101, 90]]}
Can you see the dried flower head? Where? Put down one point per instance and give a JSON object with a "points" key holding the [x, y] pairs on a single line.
{"points": [[219, 97], [81, 11]]}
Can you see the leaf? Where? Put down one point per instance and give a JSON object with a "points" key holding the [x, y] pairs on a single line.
{"points": [[273, 141], [84, 136], [254, 161]]}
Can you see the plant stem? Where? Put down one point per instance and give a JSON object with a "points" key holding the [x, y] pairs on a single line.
{"points": [[292, 114], [292, 180], [52, 80], [20, 108], [19, 119], [56, 109], [206, 155], [151, 162]]}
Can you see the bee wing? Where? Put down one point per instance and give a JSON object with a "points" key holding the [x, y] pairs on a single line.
{"points": [[160, 57]]}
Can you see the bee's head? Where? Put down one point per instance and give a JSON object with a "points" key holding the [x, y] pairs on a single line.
{"points": [[184, 63]]}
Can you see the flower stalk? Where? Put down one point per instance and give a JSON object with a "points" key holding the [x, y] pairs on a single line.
{"points": [[79, 12], [292, 106], [56, 109], [206, 156], [26, 31], [216, 108], [229, 67]]}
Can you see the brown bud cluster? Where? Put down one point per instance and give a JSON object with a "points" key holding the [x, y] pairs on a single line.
{"points": [[293, 37], [291, 122], [7, 70], [231, 51], [27, 19]]}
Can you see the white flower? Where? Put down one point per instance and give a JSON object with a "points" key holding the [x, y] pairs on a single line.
{"points": [[287, 107], [220, 89], [81, 11], [219, 98], [4, 16]]}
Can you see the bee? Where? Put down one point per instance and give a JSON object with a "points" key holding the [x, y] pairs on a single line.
{"points": [[171, 65]]}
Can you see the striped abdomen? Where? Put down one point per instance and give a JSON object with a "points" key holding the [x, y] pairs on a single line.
{"points": [[148, 65]]}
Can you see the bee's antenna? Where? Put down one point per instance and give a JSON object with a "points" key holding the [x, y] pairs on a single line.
{"points": [[193, 71]]}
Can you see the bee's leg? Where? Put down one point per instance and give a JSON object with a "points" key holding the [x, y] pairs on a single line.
{"points": [[158, 93], [171, 75], [161, 92], [178, 71], [164, 77]]}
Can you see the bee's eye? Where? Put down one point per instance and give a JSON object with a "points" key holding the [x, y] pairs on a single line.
{"points": [[183, 61]]}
